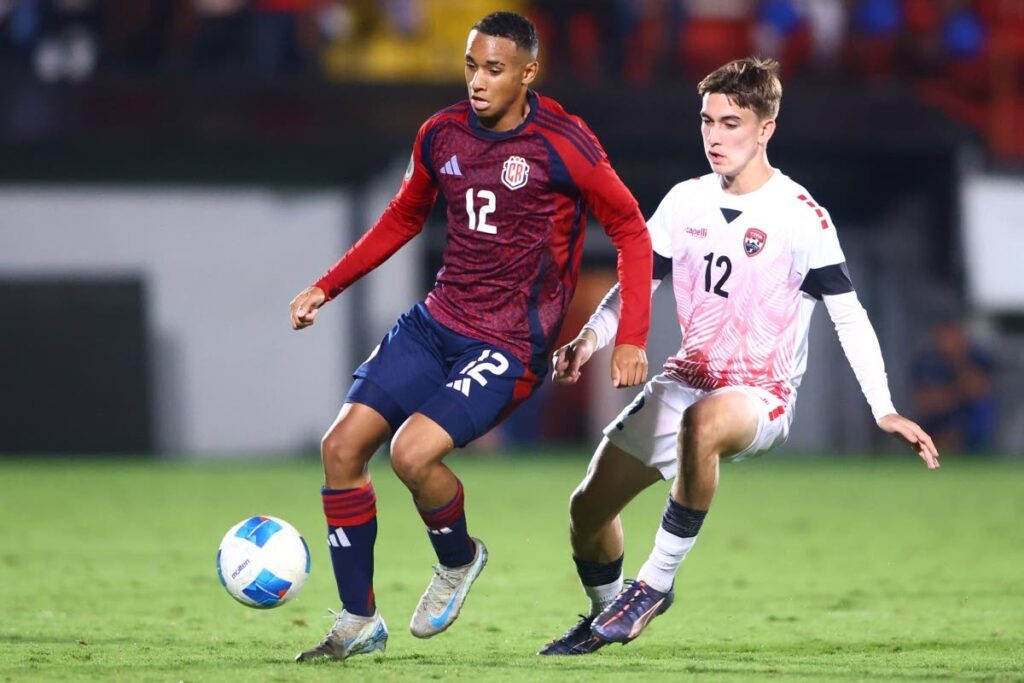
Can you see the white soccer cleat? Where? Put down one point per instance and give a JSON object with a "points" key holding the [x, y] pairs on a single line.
{"points": [[441, 603], [351, 635]]}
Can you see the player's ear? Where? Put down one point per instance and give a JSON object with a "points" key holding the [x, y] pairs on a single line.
{"points": [[767, 131], [530, 71]]}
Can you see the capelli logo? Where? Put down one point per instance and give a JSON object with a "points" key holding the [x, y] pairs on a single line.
{"points": [[697, 232]]}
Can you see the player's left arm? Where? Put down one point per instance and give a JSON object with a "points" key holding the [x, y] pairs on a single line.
{"points": [[828, 280], [604, 323], [617, 210]]}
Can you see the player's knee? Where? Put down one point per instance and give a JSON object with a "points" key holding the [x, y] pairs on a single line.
{"points": [[408, 463], [584, 512], [577, 505], [342, 455]]}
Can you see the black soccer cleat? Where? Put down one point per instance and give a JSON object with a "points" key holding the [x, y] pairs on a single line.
{"points": [[629, 614], [578, 640]]}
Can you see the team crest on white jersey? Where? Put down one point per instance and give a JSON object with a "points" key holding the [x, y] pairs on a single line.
{"points": [[515, 172], [753, 241]]}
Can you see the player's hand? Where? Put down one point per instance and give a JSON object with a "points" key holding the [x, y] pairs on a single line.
{"points": [[629, 366], [305, 306], [909, 432], [570, 358]]}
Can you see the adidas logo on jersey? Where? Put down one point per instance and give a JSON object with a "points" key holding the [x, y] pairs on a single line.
{"points": [[452, 167]]}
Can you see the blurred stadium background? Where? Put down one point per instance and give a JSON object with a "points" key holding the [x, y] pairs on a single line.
{"points": [[173, 171]]}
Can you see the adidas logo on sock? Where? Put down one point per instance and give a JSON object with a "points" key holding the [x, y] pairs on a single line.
{"points": [[452, 167]]}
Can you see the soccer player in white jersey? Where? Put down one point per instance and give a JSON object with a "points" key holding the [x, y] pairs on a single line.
{"points": [[749, 252]]}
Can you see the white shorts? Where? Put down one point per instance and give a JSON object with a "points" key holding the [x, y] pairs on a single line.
{"points": [[648, 427]]}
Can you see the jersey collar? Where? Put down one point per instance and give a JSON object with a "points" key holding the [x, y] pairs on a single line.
{"points": [[474, 121], [748, 196]]}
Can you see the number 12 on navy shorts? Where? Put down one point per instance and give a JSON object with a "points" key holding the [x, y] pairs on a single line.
{"points": [[463, 384]]}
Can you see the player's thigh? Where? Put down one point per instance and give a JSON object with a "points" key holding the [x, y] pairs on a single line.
{"points": [[648, 428], [484, 385], [738, 422], [403, 371], [614, 478], [723, 423]]}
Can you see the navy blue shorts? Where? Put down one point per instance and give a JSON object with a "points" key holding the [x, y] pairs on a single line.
{"points": [[463, 384]]}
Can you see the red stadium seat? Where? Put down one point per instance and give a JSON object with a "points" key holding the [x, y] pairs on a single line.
{"points": [[705, 44]]}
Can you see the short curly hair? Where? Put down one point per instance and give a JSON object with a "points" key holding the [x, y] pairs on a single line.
{"points": [[513, 26]]}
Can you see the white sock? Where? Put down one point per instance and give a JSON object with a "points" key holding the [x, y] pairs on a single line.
{"points": [[659, 571], [602, 596]]}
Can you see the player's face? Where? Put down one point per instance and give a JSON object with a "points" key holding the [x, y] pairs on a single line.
{"points": [[733, 135], [497, 74]]}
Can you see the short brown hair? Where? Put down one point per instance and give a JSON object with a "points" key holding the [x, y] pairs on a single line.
{"points": [[751, 83]]}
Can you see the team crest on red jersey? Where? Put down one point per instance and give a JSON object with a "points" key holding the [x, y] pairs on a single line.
{"points": [[753, 241], [515, 172]]}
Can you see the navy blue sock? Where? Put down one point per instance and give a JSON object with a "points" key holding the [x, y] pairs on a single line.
{"points": [[446, 526], [598, 573], [351, 533], [680, 520]]}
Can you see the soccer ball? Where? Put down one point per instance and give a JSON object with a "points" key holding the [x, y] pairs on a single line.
{"points": [[263, 562]]}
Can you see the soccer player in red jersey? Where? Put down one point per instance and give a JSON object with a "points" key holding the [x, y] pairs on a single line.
{"points": [[518, 174]]}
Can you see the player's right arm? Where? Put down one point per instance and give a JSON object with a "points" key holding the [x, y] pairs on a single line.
{"points": [[402, 220]]}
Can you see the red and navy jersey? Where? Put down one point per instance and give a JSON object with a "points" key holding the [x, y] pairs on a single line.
{"points": [[517, 205]]}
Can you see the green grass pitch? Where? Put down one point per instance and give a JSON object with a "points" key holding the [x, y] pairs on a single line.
{"points": [[810, 570]]}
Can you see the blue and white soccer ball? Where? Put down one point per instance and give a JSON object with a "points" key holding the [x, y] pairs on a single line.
{"points": [[263, 562]]}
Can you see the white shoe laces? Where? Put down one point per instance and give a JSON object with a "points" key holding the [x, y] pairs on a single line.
{"points": [[341, 620], [445, 582]]}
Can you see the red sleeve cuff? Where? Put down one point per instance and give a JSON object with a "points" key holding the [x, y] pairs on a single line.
{"points": [[637, 341]]}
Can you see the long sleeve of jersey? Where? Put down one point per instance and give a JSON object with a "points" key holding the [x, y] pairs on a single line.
{"points": [[402, 220], [605, 321], [614, 205], [860, 344]]}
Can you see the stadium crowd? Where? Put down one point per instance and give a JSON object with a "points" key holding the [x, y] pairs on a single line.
{"points": [[637, 41]]}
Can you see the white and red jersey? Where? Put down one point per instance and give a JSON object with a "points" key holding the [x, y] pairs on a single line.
{"points": [[739, 268], [746, 272]]}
